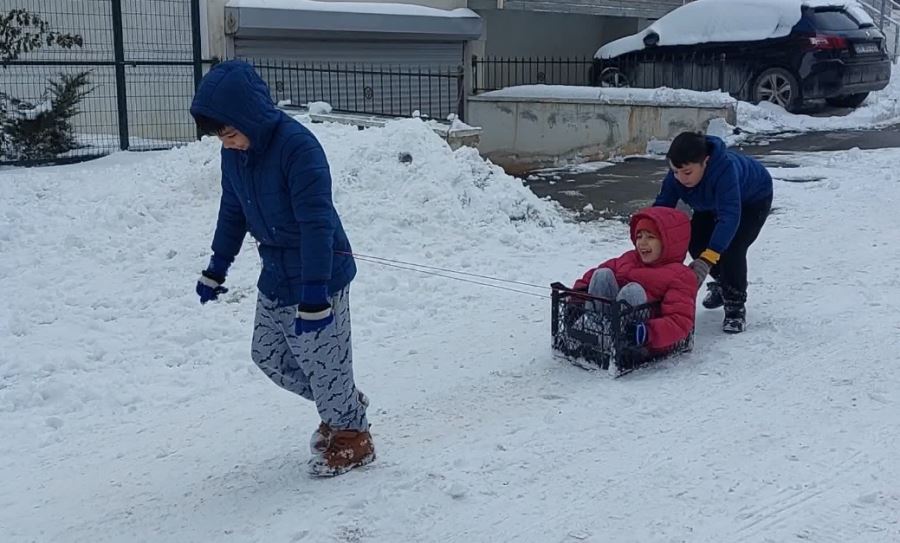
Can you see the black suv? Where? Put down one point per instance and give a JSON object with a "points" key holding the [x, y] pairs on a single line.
{"points": [[831, 53]]}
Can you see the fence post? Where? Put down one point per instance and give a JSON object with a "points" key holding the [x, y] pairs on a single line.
{"points": [[121, 98], [474, 74], [722, 72], [461, 93], [197, 48], [881, 22], [896, 40]]}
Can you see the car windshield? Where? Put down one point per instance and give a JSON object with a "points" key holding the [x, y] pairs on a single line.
{"points": [[833, 20]]}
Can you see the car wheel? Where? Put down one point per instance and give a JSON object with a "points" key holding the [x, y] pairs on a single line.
{"points": [[613, 77], [778, 86], [848, 100]]}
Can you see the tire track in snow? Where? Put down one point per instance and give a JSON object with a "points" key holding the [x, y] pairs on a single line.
{"points": [[761, 520], [690, 415]]}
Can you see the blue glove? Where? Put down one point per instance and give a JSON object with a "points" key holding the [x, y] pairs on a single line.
{"points": [[314, 311], [638, 332], [210, 284]]}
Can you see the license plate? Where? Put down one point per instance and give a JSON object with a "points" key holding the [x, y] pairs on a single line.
{"points": [[865, 48]]}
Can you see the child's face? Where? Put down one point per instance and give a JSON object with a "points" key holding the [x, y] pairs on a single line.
{"points": [[691, 173], [232, 138], [649, 247]]}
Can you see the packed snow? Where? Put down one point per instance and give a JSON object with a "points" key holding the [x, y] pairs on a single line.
{"points": [[628, 96], [372, 8], [711, 21], [318, 108], [131, 413]]}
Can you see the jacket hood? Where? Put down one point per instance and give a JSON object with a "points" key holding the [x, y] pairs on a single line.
{"points": [[718, 157], [234, 94], [674, 230]]}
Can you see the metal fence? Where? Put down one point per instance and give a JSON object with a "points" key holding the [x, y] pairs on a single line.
{"points": [[883, 13], [138, 61], [702, 72], [495, 73], [393, 91]]}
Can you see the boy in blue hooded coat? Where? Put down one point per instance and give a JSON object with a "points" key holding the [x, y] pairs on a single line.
{"points": [[731, 196], [276, 185]]}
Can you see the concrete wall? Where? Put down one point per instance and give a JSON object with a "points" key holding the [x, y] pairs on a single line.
{"points": [[511, 33], [215, 44], [524, 134]]}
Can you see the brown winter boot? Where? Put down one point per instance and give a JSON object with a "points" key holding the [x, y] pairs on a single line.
{"points": [[320, 439], [348, 449]]}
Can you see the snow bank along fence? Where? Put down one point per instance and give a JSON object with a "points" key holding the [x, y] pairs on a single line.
{"points": [[391, 91], [531, 127], [82, 79]]}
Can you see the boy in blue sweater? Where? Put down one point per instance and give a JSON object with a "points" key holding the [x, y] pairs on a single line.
{"points": [[731, 196], [276, 185]]}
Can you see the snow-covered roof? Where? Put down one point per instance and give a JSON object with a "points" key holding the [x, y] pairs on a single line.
{"points": [[254, 19], [705, 21], [372, 8]]}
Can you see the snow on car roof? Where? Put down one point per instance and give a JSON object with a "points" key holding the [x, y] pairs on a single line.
{"points": [[704, 21]]}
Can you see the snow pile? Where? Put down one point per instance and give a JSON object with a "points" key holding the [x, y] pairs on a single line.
{"points": [[880, 109], [318, 108], [710, 21], [607, 95], [457, 124]]}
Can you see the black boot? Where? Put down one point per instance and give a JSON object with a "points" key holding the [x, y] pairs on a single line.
{"points": [[713, 298], [735, 312]]}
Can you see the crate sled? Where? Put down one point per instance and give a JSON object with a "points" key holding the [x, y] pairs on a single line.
{"points": [[596, 338]]}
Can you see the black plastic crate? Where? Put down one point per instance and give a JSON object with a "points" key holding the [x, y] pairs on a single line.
{"points": [[596, 338]]}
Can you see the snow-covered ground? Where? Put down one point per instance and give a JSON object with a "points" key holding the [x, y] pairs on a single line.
{"points": [[128, 412], [881, 108]]}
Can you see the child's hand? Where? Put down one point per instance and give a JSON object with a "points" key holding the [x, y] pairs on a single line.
{"points": [[700, 267], [638, 333], [314, 311]]}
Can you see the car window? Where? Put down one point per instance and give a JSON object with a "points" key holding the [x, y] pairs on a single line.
{"points": [[833, 20]]}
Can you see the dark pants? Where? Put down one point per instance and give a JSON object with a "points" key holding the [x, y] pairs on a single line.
{"points": [[731, 270]]}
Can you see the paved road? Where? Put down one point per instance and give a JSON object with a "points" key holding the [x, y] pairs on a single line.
{"points": [[619, 190]]}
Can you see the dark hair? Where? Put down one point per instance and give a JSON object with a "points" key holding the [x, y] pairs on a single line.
{"points": [[688, 148], [208, 125]]}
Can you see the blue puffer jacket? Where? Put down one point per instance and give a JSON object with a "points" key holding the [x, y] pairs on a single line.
{"points": [[731, 180], [279, 189]]}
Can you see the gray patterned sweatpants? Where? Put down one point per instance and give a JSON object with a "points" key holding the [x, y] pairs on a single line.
{"points": [[315, 365]]}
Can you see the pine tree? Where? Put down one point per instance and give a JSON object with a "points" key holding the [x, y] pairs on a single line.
{"points": [[23, 32], [44, 130]]}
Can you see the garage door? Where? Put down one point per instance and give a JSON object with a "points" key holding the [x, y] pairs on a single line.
{"points": [[380, 77]]}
